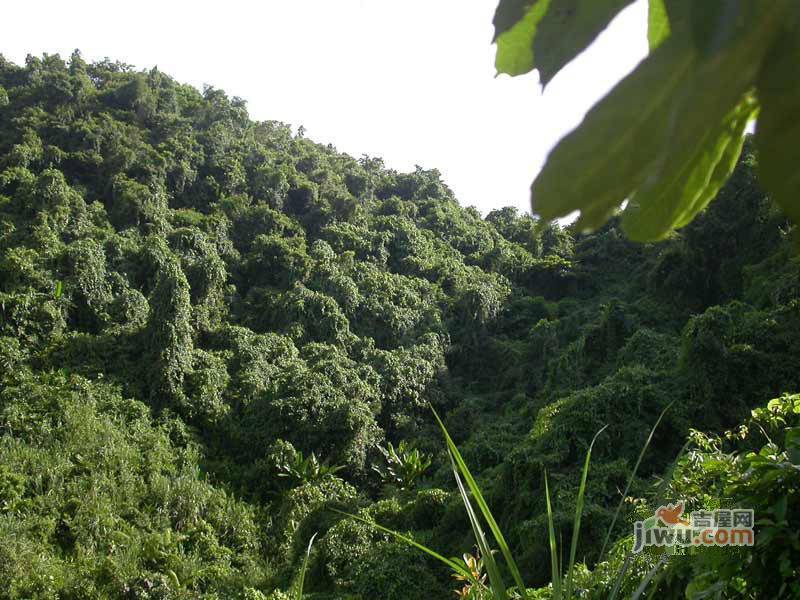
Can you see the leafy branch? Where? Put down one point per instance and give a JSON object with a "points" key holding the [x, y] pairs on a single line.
{"points": [[667, 137]]}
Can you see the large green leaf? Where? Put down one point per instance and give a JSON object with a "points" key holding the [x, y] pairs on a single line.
{"points": [[704, 147], [515, 29], [664, 204], [725, 166], [567, 29], [547, 34], [598, 165], [657, 120], [778, 133]]}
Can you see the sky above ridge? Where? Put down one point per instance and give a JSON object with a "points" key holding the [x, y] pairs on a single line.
{"points": [[410, 81]]}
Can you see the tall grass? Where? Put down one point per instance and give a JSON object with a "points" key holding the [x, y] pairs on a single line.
{"points": [[562, 580], [563, 590], [301, 579]]}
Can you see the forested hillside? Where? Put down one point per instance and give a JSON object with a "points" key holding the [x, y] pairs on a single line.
{"points": [[214, 332]]}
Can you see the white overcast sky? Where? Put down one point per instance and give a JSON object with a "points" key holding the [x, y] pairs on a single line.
{"points": [[411, 81]]}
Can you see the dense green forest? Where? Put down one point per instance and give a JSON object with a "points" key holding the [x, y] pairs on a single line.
{"points": [[216, 336]]}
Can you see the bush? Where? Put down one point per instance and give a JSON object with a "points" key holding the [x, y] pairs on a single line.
{"points": [[97, 502]]}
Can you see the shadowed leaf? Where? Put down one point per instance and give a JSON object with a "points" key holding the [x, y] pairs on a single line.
{"points": [[567, 29], [778, 129]]}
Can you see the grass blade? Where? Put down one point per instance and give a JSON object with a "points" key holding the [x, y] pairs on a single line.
{"points": [[630, 480], [457, 568], [667, 479], [621, 575], [496, 580], [648, 578], [302, 579], [551, 531], [576, 528], [483, 506], [660, 500]]}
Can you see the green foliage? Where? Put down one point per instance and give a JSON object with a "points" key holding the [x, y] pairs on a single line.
{"points": [[754, 465], [291, 463], [266, 305], [515, 24], [303, 511], [133, 204], [472, 571], [673, 159], [356, 547], [405, 466], [97, 501], [394, 572], [168, 332]]}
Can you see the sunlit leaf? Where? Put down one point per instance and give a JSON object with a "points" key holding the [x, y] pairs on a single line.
{"points": [[515, 43], [657, 23], [723, 170], [666, 203]]}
